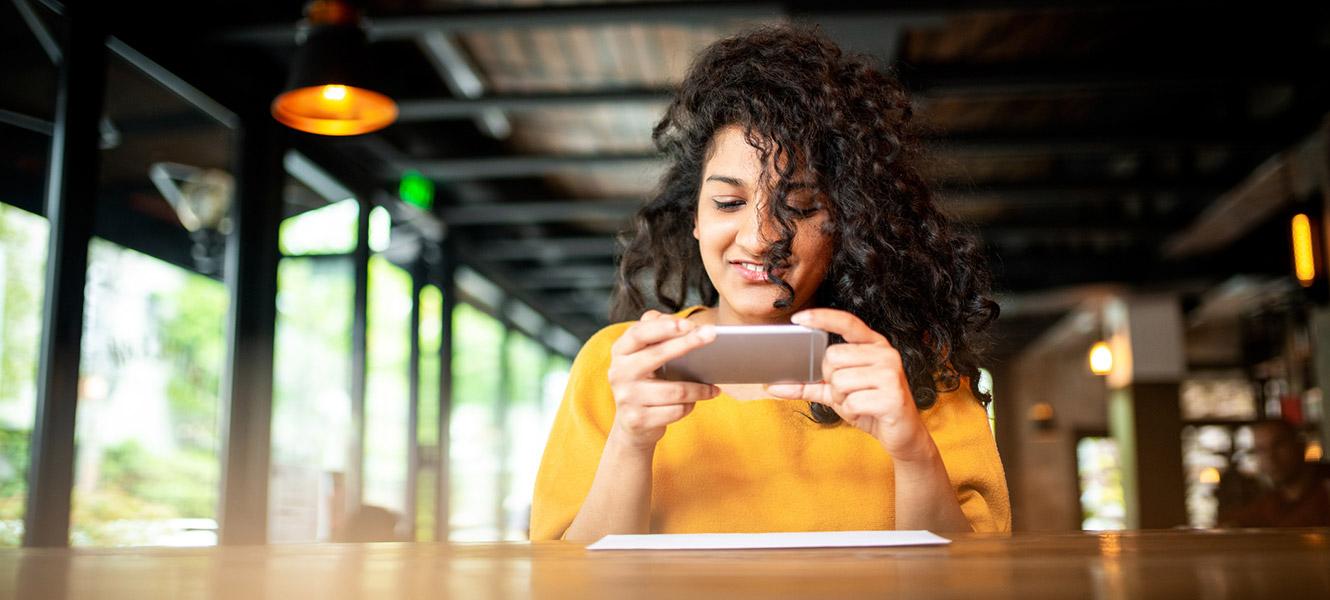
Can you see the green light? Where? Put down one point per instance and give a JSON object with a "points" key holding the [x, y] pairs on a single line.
{"points": [[416, 190]]}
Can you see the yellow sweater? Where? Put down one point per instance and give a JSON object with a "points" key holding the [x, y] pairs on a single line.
{"points": [[756, 466]]}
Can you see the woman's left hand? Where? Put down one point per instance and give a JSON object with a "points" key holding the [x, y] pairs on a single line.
{"points": [[864, 381]]}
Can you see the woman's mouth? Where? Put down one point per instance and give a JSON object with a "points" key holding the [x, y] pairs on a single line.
{"points": [[751, 272]]}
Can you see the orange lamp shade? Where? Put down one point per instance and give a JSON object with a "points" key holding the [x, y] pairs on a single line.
{"points": [[330, 89], [333, 109]]}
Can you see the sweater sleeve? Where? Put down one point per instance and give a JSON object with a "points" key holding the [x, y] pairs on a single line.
{"points": [[576, 439], [960, 429]]}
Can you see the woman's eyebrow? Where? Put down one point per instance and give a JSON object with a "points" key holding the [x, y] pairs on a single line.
{"points": [[734, 181]]}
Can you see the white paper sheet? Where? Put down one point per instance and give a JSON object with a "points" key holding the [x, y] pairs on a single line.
{"points": [[734, 541]]}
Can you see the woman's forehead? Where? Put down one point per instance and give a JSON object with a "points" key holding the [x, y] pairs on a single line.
{"points": [[734, 160]]}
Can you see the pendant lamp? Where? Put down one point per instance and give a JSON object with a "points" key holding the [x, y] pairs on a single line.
{"points": [[328, 92]]}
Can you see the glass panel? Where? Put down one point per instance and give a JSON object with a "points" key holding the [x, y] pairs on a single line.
{"points": [[327, 230], [22, 288], [146, 469], [427, 434], [386, 435], [473, 448], [311, 422], [1100, 474], [523, 431], [1216, 396]]}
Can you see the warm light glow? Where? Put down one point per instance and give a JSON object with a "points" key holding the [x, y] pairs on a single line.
{"points": [[334, 110], [336, 93], [1303, 263], [1210, 475], [1101, 359], [1313, 453], [1041, 412]]}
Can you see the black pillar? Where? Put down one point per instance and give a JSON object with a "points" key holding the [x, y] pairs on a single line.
{"points": [[447, 268], [355, 479], [413, 397], [70, 205], [251, 277]]}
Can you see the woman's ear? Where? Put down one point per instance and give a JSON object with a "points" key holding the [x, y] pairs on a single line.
{"points": [[695, 228]]}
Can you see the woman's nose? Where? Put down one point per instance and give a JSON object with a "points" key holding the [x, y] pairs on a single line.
{"points": [[757, 231]]}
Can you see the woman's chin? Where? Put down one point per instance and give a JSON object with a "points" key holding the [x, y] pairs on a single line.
{"points": [[759, 308]]}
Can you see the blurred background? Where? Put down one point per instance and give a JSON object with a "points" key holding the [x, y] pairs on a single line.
{"points": [[282, 336]]}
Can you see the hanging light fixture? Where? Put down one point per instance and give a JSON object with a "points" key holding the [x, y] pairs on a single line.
{"points": [[1101, 359], [327, 92]]}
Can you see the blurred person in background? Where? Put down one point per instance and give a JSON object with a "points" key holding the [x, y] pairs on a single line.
{"points": [[1296, 492]]}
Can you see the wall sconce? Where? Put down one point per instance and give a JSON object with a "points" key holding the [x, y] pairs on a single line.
{"points": [[1101, 358], [1304, 256], [1041, 415], [327, 93]]}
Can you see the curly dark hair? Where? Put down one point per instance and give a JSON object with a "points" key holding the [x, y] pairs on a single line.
{"points": [[843, 124]]}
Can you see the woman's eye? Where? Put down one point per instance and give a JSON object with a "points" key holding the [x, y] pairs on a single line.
{"points": [[806, 211], [727, 205]]}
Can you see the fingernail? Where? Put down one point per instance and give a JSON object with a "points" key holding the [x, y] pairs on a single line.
{"points": [[685, 325], [706, 332], [799, 318]]}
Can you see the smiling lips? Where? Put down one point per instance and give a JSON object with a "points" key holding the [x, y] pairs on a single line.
{"points": [[749, 271]]}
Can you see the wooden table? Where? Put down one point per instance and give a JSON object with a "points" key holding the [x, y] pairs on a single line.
{"points": [[1158, 564]]}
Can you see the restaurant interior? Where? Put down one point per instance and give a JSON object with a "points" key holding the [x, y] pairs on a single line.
{"points": [[226, 322]]}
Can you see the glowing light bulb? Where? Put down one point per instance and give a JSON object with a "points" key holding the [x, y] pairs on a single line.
{"points": [[335, 93], [1101, 359], [1304, 263]]}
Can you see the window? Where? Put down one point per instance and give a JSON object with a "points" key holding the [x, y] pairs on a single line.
{"points": [[1100, 473], [311, 422], [387, 439], [474, 456], [22, 286], [146, 470]]}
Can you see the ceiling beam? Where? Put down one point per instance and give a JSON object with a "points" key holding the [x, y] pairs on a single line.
{"points": [[551, 211], [686, 12], [504, 167], [952, 146], [453, 108], [1269, 189], [570, 276], [549, 250]]}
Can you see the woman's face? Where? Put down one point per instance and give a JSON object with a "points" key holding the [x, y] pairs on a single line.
{"points": [[734, 229]]}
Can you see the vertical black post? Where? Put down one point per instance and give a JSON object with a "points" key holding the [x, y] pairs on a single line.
{"points": [[251, 279], [355, 479], [501, 420], [443, 470], [413, 395], [71, 193]]}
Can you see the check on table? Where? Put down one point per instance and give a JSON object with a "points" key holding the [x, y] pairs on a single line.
{"points": [[1292, 563]]}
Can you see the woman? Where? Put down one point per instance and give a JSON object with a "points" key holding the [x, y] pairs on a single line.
{"points": [[791, 195]]}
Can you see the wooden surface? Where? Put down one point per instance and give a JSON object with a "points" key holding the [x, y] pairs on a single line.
{"points": [[1159, 564]]}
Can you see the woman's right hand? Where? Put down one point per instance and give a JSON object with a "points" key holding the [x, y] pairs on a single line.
{"points": [[645, 404]]}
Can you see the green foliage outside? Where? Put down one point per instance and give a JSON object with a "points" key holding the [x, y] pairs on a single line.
{"points": [[133, 484], [22, 266]]}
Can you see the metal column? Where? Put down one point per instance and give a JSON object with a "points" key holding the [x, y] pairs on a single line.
{"points": [[447, 269], [71, 198], [413, 397], [355, 476], [251, 278]]}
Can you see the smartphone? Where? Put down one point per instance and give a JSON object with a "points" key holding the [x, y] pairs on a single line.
{"points": [[753, 354]]}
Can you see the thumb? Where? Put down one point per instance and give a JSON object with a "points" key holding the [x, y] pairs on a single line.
{"points": [[812, 392]]}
